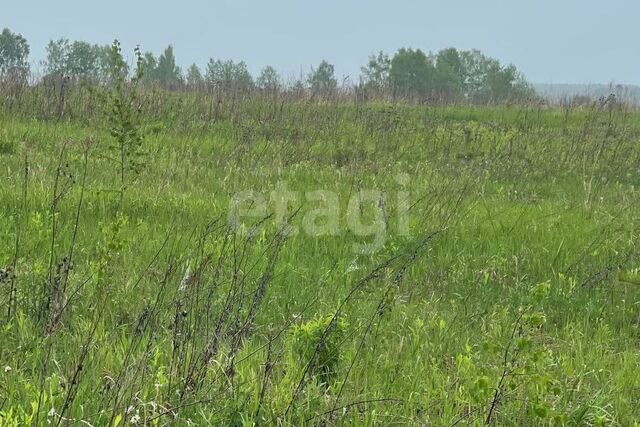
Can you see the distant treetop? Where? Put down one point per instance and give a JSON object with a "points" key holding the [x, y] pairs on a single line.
{"points": [[449, 75]]}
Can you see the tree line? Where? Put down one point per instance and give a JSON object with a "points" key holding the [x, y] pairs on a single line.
{"points": [[448, 75]]}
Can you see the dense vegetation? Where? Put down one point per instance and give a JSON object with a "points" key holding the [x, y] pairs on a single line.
{"points": [[504, 289], [445, 77]]}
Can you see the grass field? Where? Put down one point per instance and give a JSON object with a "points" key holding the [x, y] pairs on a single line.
{"points": [[497, 285]]}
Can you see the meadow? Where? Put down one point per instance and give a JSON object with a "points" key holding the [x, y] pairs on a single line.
{"points": [[504, 290]]}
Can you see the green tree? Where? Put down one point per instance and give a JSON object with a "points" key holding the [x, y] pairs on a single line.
{"points": [[57, 57], [487, 81], [478, 66], [375, 75], [194, 76], [122, 107], [150, 65], [14, 55], [167, 73], [322, 79], [412, 73], [298, 86], [507, 84], [105, 64], [82, 60], [451, 73], [269, 79], [228, 75], [77, 59]]}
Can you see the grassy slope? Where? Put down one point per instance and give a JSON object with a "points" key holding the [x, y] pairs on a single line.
{"points": [[522, 198]]}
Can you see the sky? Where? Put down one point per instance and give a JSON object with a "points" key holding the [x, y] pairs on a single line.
{"points": [[550, 41]]}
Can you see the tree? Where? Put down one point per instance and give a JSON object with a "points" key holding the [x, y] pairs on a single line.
{"points": [[507, 84], [105, 63], [451, 73], [82, 60], [122, 107], [14, 55], [298, 86], [194, 76], [478, 66], [412, 73], [167, 73], [269, 79], [228, 75], [57, 57], [322, 79], [488, 81], [78, 59], [375, 75], [150, 66]]}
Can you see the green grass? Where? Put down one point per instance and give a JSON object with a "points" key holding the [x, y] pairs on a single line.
{"points": [[502, 304]]}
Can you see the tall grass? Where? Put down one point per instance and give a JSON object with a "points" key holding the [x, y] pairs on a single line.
{"points": [[500, 307]]}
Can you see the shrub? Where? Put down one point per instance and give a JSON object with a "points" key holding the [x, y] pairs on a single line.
{"points": [[317, 343]]}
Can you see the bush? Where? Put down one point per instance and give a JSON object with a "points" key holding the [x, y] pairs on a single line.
{"points": [[317, 343]]}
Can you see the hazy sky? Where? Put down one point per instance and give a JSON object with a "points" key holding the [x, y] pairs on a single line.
{"points": [[551, 41]]}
